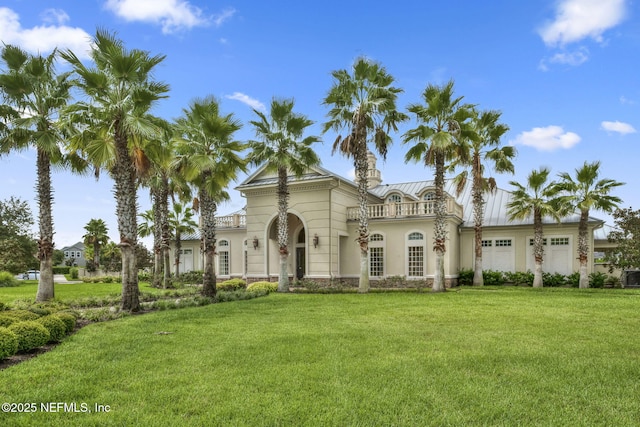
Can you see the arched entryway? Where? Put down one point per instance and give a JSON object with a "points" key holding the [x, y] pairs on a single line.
{"points": [[296, 243]]}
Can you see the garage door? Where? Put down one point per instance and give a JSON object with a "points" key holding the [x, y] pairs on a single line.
{"points": [[498, 254], [557, 255]]}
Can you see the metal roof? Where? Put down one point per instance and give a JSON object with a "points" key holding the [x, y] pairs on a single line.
{"points": [[495, 208]]}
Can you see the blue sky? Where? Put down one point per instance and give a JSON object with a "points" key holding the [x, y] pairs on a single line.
{"points": [[563, 73]]}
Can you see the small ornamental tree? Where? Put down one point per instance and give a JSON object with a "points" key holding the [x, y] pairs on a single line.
{"points": [[626, 255]]}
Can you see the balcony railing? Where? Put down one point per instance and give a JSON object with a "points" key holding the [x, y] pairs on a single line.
{"points": [[231, 221], [404, 209]]}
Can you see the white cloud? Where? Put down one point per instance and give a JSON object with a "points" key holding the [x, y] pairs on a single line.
{"points": [[172, 15], [626, 101], [246, 99], [619, 127], [43, 39], [224, 16], [574, 59], [547, 139], [578, 19]]}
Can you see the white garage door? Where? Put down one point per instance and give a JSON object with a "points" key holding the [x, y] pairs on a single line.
{"points": [[498, 254], [557, 255], [186, 260]]}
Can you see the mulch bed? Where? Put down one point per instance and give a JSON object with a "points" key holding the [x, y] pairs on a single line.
{"points": [[21, 357]]}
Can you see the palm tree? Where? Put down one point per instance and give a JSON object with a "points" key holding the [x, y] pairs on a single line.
{"points": [[34, 96], [208, 158], [281, 145], [96, 236], [537, 199], [481, 135], [181, 222], [584, 193], [113, 125], [436, 141], [364, 104]]}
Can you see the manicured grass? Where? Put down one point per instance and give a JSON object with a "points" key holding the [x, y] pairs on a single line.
{"points": [[509, 356], [66, 292]]}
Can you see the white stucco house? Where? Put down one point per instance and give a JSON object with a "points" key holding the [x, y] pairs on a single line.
{"points": [[323, 221]]}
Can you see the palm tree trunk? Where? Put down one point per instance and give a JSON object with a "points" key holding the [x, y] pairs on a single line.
{"points": [[362, 166], [126, 209], [283, 229], [478, 208], [583, 249], [208, 231], [45, 243], [440, 231], [96, 252], [176, 255], [157, 239], [166, 235], [538, 249]]}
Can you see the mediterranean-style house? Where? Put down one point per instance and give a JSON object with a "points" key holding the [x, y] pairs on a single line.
{"points": [[323, 222]]}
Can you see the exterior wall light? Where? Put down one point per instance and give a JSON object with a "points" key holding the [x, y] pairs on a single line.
{"points": [[316, 241], [255, 243]]}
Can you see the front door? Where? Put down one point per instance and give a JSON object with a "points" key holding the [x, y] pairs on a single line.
{"points": [[300, 263]]}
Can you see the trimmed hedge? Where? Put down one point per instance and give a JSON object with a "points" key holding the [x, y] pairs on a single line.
{"points": [[8, 343], [56, 327], [69, 321], [265, 286], [21, 315], [30, 334], [231, 285], [61, 270], [8, 320]]}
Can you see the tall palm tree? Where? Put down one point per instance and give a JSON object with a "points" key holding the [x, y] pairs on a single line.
{"points": [[208, 158], [537, 199], [481, 136], [96, 236], [113, 125], [364, 104], [584, 193], [181, 222], [436, 142], [281, 144], [34, 95]]}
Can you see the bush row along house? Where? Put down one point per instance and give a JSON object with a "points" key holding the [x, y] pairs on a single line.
{"points": [[323, 223]]}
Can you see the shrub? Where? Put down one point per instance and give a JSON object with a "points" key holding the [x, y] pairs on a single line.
{"points": [[191, 277], [7, 320], [597, 280], [493, 278], [265, 286], [573, 279], [553, 280], [22, 315], [519, 278], [465, 277], [8, 280], [144, 276], [241, 295], [30, 334], [56, 327], [73, 272], [8, 343], [232, 285], [61, 270], [69, 321]]}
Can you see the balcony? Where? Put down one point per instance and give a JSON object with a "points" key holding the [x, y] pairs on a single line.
{"points": [[231, 221], [405, 210]]}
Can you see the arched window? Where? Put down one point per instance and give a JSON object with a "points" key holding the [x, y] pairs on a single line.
{"points": [[376, 255], [223, 257], [415, 254], [394, 198]]}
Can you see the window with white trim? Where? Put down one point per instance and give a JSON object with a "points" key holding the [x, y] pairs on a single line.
{"points": [[394, 198], [559, 241], [415, 254], [487, 243], [223, 257], [504, 243], [376, 255], [429, 202]]}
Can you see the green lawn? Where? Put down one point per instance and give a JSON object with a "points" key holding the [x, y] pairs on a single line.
{"points": [[66, 292], [512, 356]]}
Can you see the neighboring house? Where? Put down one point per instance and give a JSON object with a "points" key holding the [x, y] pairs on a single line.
{"points": [[75, 252], [323, 222]]}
